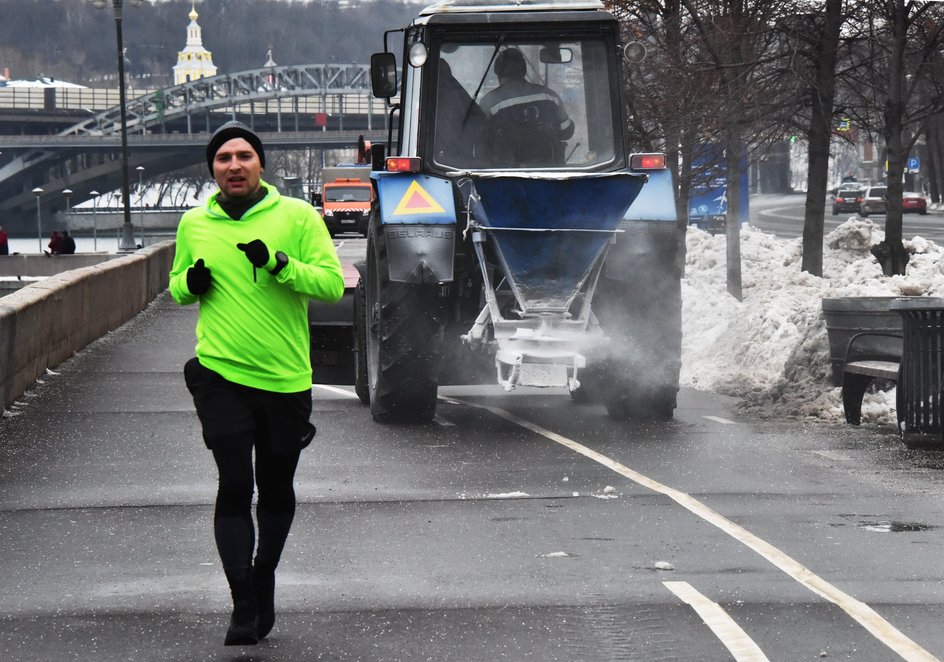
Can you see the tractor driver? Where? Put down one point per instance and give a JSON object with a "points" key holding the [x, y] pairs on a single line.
{"points": [[527, 122]]}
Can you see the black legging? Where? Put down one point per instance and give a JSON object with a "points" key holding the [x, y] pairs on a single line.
{"points": [[275, 509]]}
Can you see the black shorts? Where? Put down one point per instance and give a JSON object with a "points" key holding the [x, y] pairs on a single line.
{"points": [[278, 422]]}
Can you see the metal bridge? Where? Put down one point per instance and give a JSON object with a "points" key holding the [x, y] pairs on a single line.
{"points": [[291, 107]]}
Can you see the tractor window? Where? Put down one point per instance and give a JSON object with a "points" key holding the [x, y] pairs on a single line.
{"points": [[524, 104], [347, 194]]}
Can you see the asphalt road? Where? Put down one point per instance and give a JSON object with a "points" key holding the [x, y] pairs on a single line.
{"points": [[516, 526], [783, 215]]}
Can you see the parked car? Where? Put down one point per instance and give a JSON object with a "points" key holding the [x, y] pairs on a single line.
{"points": [[845, 186], [847, 199], [914, 203], [873, 201]]}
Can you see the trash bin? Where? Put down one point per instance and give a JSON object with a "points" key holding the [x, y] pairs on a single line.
{"points": [[919, 378]]}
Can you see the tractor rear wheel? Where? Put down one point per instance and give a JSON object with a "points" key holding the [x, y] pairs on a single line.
{"points": [[641, 372], [591, 386], [404, 341], [361, 386]]}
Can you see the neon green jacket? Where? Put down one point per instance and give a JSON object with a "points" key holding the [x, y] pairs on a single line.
{"points": [[255, 331]]}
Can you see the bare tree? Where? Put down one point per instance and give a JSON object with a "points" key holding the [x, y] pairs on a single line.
{"points": [[935, 148], [897, 68], [745, 53], [177, 185], [717, 83], [669, 98], [817, 37]]}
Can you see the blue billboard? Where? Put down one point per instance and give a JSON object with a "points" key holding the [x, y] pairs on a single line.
{"points": [[708, 201]]}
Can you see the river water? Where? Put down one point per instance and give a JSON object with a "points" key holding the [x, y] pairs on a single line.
{"points": [[104, 243]]}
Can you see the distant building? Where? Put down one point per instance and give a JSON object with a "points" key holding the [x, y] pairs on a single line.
{"points": [[194, 61]]}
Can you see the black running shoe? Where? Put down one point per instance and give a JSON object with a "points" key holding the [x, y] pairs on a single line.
{"points": [[242, 626], [263, 587]]}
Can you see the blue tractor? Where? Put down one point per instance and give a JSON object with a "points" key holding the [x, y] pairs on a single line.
{"points": [[513, 231]]}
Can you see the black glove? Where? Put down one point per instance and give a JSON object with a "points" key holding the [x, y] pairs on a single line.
{"points": [[198, 278], [256, 251]]}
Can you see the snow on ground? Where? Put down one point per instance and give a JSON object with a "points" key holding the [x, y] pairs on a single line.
{"points": [[770, 350]]}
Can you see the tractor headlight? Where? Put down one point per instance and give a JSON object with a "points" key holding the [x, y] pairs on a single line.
{"points": [[418, 54]]}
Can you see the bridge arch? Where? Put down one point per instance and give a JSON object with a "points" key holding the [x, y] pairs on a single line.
{"points": [[236, 91], [342, 90]]}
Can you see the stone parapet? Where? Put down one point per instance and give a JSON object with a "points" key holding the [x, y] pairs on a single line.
{"points": [[33, 265], [45, 323]]}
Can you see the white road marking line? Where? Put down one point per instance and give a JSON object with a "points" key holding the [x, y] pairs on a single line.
{"points": [[335, 389], [718, 419], [348, 394], [730, 634], [833, 455], [868, 618], [776, 212]]}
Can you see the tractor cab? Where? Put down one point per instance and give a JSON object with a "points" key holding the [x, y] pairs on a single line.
{"points": [[492, 85]]}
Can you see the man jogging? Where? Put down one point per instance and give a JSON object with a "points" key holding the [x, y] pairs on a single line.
{"points": [[252, 259]]}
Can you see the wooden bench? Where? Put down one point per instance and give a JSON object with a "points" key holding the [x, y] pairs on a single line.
{"points": [[859, 372]]}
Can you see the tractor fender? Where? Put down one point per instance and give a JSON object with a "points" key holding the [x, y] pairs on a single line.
{"points": [[417, 215], [644, 249], [650, 239]]}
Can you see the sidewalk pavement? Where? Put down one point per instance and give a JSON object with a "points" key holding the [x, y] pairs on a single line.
{"points": [[106, 502]]}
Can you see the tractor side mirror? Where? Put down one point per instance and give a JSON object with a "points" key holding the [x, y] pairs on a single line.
{"points": [[317, 200], [383, 75], [555, 55]]}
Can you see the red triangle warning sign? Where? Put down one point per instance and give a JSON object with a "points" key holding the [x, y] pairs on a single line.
{"points": [[417, 201]]}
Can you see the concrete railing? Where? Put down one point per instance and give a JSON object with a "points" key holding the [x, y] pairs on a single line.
{"points": [[105, 221], [47, 322], [38, 265]]}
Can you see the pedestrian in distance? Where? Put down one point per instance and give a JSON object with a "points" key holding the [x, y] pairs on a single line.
{"points": [[55, 243], [4, 242], [251, 258], [68, 244]]}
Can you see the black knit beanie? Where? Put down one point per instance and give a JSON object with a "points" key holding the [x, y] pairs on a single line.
{"points": [[228, 131]]}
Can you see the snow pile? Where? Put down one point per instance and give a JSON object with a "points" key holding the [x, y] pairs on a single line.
{"points": [[770, 350]]}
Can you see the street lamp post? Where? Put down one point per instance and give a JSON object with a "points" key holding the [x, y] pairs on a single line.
{"points": [[39, 221], [140, 170], [94, 195], [126, 243], [68, 193]]}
